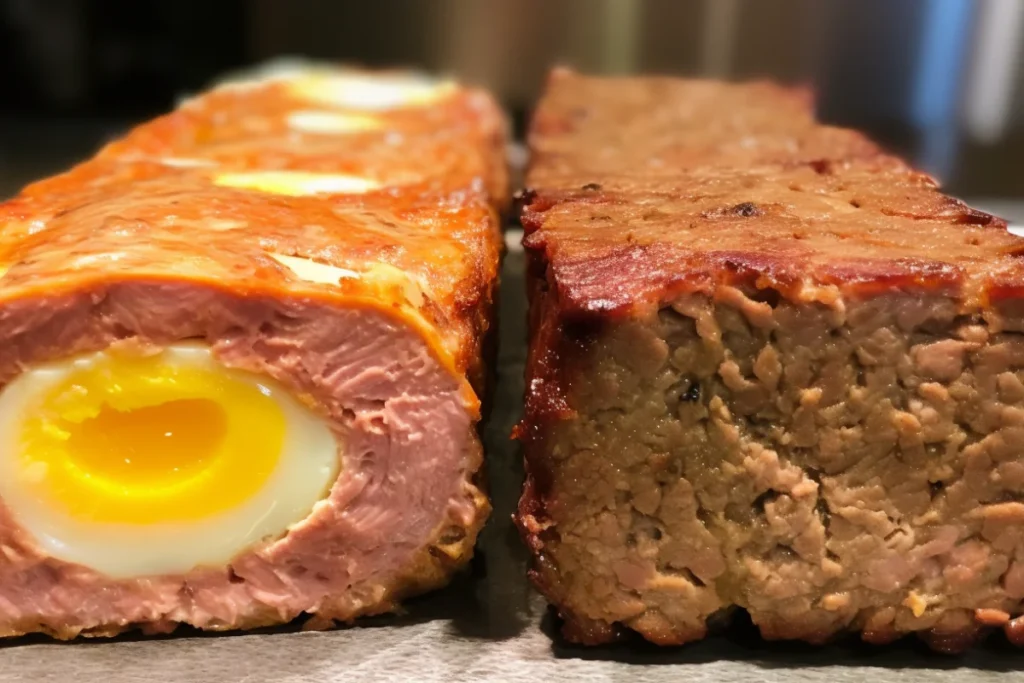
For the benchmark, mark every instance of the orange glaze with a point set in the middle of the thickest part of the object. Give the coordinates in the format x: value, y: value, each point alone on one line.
x: 424, y: 244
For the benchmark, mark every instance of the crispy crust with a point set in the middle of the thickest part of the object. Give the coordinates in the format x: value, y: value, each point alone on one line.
x: 645, y: 190
x: 650, y: 177
x: 426, y: 246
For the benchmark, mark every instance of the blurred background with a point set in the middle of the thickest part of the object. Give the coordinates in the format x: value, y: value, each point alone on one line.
x: 936, y: 80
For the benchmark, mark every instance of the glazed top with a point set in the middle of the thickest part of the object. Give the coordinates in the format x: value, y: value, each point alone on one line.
x: 643, y: 188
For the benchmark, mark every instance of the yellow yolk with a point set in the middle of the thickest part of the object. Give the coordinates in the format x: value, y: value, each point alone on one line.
x: 151, y: 446
x: 138, y: 441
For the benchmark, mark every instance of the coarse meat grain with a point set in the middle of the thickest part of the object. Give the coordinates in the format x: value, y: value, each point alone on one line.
x: 771, y: 368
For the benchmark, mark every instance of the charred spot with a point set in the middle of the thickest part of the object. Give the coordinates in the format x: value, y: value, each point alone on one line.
x: 822, y: 166
x: 592, y: 187
x: 233, y: 577
x: 855, y: 203
x: 685, y: 390
x: 971, y: 216
x: 746, y: 210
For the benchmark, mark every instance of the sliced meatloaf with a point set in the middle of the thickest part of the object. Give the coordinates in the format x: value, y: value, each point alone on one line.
x: 771, y: 367
x: 292, y: 274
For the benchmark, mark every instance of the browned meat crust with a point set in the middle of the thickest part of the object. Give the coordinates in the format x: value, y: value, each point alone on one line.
x: 770, y: 367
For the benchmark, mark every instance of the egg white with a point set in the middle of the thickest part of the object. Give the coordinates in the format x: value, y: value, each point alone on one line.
x: 296, y: 183
x: 369, y: 92
x: 307, y: 468
x: 330, y: 122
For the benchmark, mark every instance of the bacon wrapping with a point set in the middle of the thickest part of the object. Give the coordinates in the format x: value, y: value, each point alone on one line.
x: 242, y: 358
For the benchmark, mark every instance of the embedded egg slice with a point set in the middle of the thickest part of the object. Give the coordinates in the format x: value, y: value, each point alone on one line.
x: 297, y: 183
x: 377, y: 92
x: 330, y: 122
x: 312, y: 271
x: 143, y: 465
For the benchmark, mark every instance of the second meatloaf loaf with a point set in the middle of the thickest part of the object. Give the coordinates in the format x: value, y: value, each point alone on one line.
x: 772, y: 368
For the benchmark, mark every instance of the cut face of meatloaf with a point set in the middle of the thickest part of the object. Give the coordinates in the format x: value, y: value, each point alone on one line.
x: 771, y: 368
x: 240, y: 359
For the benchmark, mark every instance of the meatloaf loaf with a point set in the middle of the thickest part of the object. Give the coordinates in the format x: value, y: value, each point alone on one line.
x: 771, y: 368
x: 241, y: 356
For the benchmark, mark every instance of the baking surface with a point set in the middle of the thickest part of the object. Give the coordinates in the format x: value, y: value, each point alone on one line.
x: 488, y: 626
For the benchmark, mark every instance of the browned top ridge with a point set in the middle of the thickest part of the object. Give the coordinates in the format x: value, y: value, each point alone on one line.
x: 643, y: 188
x: 250, y: 185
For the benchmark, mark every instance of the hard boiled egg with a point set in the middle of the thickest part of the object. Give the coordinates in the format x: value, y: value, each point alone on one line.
x: 155, y: 464
x: 369, y: 92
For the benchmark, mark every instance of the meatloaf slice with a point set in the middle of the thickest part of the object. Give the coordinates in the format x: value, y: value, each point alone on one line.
x: 241, y: 359
x: 770, y: 368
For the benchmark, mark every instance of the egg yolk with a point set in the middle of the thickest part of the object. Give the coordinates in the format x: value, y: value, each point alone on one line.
x: 136, y: 440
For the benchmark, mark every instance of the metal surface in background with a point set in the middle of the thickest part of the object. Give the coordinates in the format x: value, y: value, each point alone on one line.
x: 936, y: 80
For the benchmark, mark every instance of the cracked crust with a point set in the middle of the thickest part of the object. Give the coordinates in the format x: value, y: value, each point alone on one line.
x: 763, y: 379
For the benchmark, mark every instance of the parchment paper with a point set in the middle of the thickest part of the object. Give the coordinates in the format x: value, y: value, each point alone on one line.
x: 489, y: 625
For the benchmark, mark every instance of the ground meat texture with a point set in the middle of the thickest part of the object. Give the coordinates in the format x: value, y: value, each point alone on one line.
x: 346, y: 250
x: 770, y: 368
